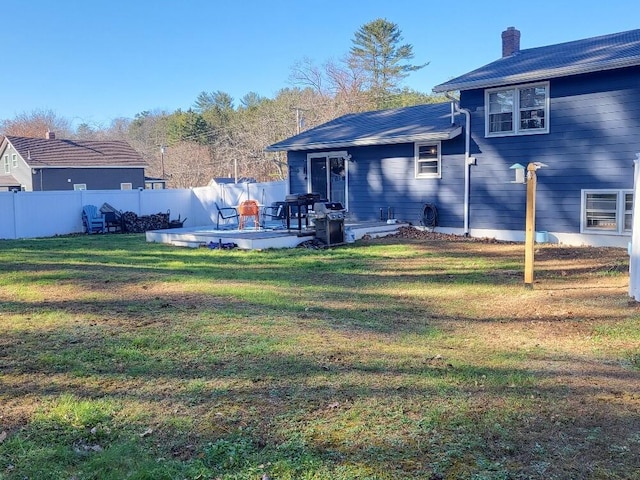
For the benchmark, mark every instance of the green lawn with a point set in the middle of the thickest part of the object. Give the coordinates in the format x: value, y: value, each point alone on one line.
x: 383, y: 359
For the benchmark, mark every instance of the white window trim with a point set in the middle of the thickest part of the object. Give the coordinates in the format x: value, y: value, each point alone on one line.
x: 7, y: 168
x: 126, y: 186
x: 516, y: 111
x: 416, y: 159
x: 79, y: 186
x: 620, y: 212
x: 14, y: 160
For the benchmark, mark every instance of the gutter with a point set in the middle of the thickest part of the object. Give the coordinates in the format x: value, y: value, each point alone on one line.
x: 367, y: 141
x: 468, y: 160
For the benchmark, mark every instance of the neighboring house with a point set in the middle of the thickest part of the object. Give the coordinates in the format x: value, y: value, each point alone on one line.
x: 154, y: 183
x: 39, y: 164
x: 573, y: 106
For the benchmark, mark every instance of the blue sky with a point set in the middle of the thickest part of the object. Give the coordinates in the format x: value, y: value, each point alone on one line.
x: 95, y: 60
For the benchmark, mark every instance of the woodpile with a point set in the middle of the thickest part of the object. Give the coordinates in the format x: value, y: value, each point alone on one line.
x: 132, y: 223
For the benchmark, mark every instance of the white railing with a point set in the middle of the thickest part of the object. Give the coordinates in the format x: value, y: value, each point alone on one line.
x: 46, y: 214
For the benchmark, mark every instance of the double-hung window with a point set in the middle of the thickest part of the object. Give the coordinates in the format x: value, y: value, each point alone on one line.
x: 427, y: 160
x: 521, y: 110
x: 7, y: 168
x: 14, y: 160
x: 607, y: 211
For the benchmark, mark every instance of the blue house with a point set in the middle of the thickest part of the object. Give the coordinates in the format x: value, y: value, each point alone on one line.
x: 574, y: 107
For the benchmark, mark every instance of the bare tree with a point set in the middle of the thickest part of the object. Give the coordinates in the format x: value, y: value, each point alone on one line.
x: 188, y: 164
x: 147, y: 133
x: 307, y: 74
x: 36, y: 124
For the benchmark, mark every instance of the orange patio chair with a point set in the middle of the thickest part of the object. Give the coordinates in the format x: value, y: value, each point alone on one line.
x: 249, y: 209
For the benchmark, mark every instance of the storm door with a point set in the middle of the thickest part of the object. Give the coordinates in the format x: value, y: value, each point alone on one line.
x: 328, y: 176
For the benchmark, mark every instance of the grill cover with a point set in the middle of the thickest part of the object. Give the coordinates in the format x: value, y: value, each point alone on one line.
x: 303, y: 197
x: 328, y: 209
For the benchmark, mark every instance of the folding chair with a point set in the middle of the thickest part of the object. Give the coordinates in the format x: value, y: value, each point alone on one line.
x: 226, y: 213
x: 277, y: 213
x: 249, y: 209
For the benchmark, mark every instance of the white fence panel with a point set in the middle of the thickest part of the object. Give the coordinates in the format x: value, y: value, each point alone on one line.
x: 264, y: 193
x: 8, y: 215
x: 176, y: 201
x: 204, y: 211
x: 45, y: 214
x: 143, y: 202
x: 232, y: 194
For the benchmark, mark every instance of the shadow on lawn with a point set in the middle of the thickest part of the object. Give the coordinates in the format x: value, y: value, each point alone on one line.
x: 347, y: 409
x: 410, y: 412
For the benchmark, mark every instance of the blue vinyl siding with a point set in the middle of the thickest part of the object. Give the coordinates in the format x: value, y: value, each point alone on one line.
x: 93, y: 178
x: 594, y: 135
x: 383, y: 178
x: 594, y: 125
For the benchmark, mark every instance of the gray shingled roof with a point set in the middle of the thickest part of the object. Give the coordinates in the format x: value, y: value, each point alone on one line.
x: 43, y: 153
x: 607, y: 52
x: 381, y: 127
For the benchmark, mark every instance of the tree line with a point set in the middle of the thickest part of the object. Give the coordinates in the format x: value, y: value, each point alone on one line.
x: 219, y: 137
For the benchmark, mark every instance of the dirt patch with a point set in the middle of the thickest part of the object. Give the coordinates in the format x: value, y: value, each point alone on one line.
x: 550, y: 258
x: 578, y: 328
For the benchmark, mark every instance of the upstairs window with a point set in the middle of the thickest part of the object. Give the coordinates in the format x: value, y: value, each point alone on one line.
x: 7, y: 168
x: 14, y: 160
x: 522, y: 110
x: 427, y: 160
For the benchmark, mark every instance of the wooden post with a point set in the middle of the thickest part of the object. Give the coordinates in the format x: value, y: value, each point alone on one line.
x: 530, y: 229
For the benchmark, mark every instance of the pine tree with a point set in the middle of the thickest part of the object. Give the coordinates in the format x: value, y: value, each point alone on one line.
x: 377, y: 50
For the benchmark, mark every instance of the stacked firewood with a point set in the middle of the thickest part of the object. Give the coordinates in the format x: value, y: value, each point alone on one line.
x: 139, y: 224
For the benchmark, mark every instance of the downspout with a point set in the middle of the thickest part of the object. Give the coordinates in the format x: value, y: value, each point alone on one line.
x: 468, y: 160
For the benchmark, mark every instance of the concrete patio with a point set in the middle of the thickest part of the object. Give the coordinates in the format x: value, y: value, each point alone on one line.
x: 262, y: 238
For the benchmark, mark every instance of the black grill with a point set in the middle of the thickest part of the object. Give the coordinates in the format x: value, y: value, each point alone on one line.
x: 329, y: 221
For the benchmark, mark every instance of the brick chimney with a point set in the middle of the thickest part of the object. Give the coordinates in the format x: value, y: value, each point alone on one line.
x: 50, y: 135
x: 510, y: 42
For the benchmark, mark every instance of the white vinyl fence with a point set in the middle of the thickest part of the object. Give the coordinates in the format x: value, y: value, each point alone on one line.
x: 46, y: 214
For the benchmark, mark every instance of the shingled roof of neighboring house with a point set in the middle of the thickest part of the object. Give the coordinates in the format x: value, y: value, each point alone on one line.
x: 8, y: 181
x: 595, y: 54
x: 60, y: 153
x: 382, y: 127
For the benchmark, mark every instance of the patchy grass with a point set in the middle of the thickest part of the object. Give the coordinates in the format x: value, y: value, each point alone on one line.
x: 385, y: 359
